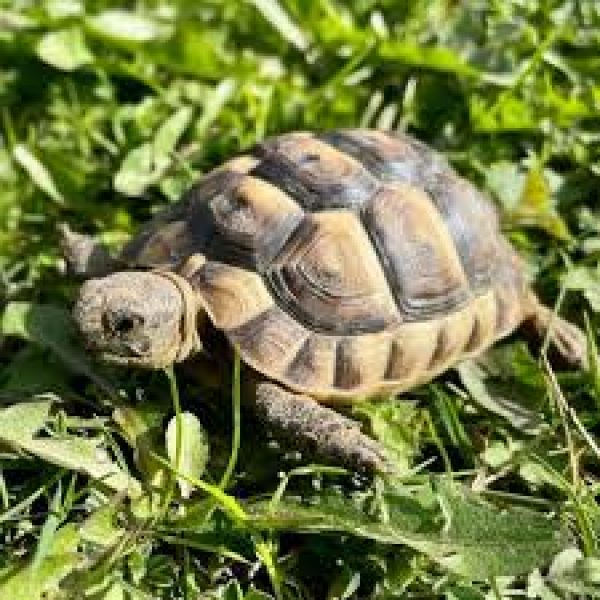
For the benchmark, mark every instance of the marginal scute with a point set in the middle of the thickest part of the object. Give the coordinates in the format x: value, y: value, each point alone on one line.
x: 420, y: 351
x: 411, y: 351
x: 269, y: 341
x: 361, y: 360
x: 314, y: 363
x: 315, y: 174
x: 330, y: 278
x: 395, y: 158
x: 444, y: 346
x: 483, y: 328
x: 231, y: 296
x: 452, y: 339
x: 240, y: 164
x: 417, y: 251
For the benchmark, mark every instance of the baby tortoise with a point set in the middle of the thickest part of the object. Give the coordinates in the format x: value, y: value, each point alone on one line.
x: 342, y: 265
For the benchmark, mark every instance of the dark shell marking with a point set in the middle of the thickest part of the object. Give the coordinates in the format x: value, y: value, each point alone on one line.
x: 344, y: 263
x: 314, y: 173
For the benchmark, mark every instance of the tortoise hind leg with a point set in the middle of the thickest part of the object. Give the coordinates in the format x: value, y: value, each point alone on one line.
x: 566, y: 339
x: 319, y: 431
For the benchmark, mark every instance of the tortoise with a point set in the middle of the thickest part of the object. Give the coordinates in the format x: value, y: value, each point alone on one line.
x: 342, y: 265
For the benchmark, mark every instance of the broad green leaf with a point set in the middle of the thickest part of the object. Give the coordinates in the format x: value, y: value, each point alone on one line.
x: 145, y: 165
x: 214, y: 104
x: 85, y: 455
x: 453, y: 527
x: 30, y: 371
x: 13, y: 20
x: 194, y: 449
x: 136, y: 172
x: 64, y: 49
x: 512, y: 114
x: 395, y: 425
x: 50, y: 327
x: 38, y: 172
x: 497, y: 392
x: 586, y: 280
x: 142, y: 428
x: 536, y: 206
x: 20, y: 422
x: 28, y: 583
x: 60, y: 9
x: 168, y: 135
x: 483, y: 541
x: 126, y: 26
x: 101, y: 528
x: 527, y: 197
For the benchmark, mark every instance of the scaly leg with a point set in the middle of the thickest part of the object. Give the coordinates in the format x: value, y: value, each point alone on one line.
x: 85, y: 257
x: 319, y: 431
x: 565, y: 338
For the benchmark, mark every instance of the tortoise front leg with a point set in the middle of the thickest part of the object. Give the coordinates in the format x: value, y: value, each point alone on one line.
x: 318, y: 431
x: 85, y: 256
x: 564, y: 337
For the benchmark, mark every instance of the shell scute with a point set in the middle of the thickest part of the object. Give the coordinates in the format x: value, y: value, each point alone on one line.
x: 472, y: 223
x: 330, y: 278
x: 253, y: 219
x: 314, y: 173
x: 418, y: 251
x: 390, y: 157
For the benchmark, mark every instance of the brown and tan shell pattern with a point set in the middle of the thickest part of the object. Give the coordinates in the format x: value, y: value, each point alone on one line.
x: 343, y: 264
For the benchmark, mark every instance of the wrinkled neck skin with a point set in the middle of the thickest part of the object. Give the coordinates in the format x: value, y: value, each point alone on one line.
x: 190, y: 318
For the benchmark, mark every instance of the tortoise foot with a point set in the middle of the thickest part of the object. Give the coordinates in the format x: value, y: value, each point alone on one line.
x: 319, y: 431
x: 566, y: 339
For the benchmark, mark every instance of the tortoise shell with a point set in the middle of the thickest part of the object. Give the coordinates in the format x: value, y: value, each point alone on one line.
x: 341, y: 264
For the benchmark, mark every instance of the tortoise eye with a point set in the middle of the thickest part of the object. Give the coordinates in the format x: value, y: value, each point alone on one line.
x: 309, y: 157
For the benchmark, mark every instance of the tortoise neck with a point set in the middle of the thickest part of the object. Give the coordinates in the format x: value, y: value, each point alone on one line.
x: 190, y: 341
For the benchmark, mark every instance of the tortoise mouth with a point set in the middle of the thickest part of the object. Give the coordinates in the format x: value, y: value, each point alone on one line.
x: 131, y: 359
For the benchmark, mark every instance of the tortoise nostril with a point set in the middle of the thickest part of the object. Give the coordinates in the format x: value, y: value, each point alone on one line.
x: 121, y: 322
x: 124, y: 325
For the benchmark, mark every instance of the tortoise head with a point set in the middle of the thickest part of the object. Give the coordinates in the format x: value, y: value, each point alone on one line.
x: 142, y: 318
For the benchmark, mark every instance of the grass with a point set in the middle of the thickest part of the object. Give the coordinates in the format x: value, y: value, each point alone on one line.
x: 110, y: 487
